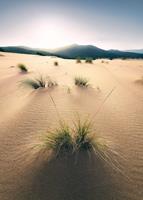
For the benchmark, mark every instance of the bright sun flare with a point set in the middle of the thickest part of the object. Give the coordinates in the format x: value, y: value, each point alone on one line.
x: 52, y: 36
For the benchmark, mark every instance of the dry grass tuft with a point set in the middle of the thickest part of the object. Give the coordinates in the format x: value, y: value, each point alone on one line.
x: 40, y: 82
x: 89, y: 60
x: 56, y: 63
x: 66, y: 140
x: 81, y: 81
x: 22, y: 68
x: 78, y: 60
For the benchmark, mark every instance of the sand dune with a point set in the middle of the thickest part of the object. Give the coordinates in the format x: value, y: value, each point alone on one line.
x: 26, y: 113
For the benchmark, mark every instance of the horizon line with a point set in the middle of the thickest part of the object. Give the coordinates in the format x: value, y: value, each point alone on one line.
x: 68, y: 45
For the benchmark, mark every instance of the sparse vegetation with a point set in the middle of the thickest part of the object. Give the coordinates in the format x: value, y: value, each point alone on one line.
x: 89, y: 60
x: 78, y: 60
x: 41, y: 53
x: 40, y: 82
x: 82, y: 139
x: 56, y: 63
x: 22, y: 68
x: 81, y: 81
x: 85, y: 138
x: 124, y: 58
x: 104, y: 61
x: 58, y: 141
x: 66, y: 140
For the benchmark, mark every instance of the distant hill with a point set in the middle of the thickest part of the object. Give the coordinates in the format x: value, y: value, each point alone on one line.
x: 84, y: 51
x: 25, y: 50
x: 136, y: 51
x: 73, y: 52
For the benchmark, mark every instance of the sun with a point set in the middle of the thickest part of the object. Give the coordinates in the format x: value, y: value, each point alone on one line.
x: 51, y: 36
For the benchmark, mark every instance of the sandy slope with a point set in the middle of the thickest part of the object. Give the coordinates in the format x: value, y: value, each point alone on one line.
x: 26, y: 113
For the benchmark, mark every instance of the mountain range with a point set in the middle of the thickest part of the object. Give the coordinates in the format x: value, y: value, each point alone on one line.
x: 136, y: 51
x: 75, y: 51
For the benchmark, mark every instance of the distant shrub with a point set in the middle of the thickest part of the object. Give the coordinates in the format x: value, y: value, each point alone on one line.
x: 78, y: 60
x: 104, y: 61
x: 81, y: 81
x: 56, y: 63
x: 22, y: 68
x: 89, y: 60
x: 41, y: 54
x: 124, y: 58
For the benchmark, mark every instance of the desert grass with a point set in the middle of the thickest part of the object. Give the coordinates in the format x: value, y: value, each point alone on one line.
x: 81, y: 81
x: 86, y: 140
x: 71, y: 140
x: 58, y: 141
x: 89, y: 60
x: 75, y: 140
x: 78, y: 60
x: 82, y: 139
x: 22, y: 68
x: 39, y: 82
x: 56, y: 63
x: 124, y: 58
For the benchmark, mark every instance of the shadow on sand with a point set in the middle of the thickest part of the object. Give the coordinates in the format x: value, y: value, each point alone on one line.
x: 76, y: 177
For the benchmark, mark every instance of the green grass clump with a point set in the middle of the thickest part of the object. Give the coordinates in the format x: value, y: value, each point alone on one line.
x: 89, y: 60
x: 22, y: 68
x: 85, y: 139
x: 59, y: 141
x: 81, y: 81
x: 40, y: 82
x: 82, y: 139
x: 67, y: 140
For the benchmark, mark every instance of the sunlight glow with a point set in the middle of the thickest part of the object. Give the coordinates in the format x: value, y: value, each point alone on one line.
x: 51, y: 36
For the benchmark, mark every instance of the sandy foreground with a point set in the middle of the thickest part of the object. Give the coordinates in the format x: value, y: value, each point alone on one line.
x: 26, y: 113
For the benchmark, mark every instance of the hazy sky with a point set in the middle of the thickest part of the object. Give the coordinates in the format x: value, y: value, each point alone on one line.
x: 107, y: 24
